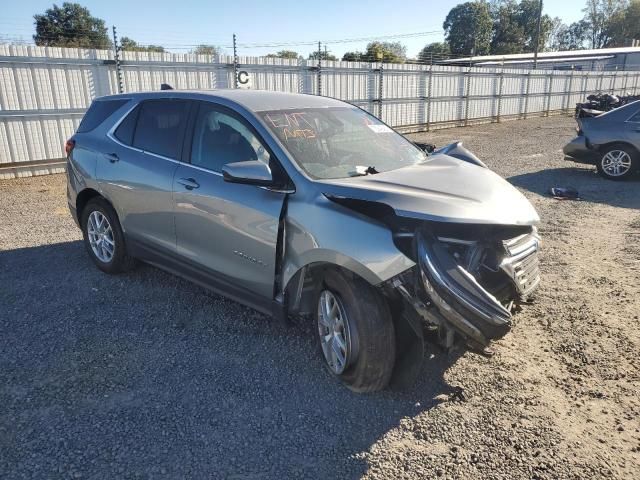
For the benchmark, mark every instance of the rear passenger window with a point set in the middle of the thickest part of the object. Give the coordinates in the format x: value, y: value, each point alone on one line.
x: 125, y: 130
x: 98, y: 112
x: 160, y: 127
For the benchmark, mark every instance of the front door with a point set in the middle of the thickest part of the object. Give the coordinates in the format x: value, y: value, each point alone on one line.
x: 225, y: 228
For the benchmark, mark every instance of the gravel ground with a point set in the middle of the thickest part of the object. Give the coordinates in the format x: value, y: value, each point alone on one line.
x: 144, y: 375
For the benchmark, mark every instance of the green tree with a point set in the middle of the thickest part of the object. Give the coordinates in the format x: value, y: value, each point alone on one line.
x: 206, y: 50
x: 353, y: 57
x: 387, y: 52
x: 625, y: 27
x: 508, y: 32
x: 70, y: 25
x: 515, y: 26
x: 434, y: 51
x: 570, y: 37
x: 130, y: 45
x: 527, y: 18
x: 323, y: 56
x: 284, y: 54
x: 603, y: 17
x: 468, y: 28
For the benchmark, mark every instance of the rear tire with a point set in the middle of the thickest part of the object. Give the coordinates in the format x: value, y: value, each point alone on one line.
x: 364, y: 336
x: 617, y: 162
x: 103, y: 237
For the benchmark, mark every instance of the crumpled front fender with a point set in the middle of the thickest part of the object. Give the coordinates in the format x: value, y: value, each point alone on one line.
x: 323, y: 231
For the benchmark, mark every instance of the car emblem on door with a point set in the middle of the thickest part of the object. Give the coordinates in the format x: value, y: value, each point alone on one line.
x: 250, y: 258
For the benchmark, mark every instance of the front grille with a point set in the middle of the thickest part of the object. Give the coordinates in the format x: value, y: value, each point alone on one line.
x: 522, y: 263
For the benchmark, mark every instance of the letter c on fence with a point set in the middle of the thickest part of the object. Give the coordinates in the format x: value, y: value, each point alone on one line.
x: 243, y: 77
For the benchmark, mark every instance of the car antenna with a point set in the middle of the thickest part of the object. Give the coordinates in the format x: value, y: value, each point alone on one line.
x: 165, y: 86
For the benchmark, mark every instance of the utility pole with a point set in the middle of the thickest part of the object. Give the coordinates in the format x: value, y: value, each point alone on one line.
x: 537, y: 46
x: 116, y: 55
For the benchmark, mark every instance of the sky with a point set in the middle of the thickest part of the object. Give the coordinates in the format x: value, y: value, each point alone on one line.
x: 179, y: 26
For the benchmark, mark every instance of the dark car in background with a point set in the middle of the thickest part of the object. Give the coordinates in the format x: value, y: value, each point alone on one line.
x: 610, y: 141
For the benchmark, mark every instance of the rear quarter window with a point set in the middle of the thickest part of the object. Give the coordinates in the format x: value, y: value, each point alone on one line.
x: 127, y: 127
x: 98, y: 112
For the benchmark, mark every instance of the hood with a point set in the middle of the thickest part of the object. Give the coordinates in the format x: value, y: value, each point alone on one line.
x: 442, y: 189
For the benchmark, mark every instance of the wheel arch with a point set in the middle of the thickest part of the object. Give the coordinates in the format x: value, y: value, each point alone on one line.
x: 302, y: 282
x: 84, y: 197
x: 601, y: 148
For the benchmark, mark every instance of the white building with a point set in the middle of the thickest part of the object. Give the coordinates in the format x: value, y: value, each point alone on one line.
x: 624, y: 58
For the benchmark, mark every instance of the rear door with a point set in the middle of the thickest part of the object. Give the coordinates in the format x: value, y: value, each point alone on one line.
x: 137, y: 173
x: 226, y: 229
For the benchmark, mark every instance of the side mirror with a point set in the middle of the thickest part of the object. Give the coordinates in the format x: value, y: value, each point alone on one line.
x: 251, y: 172
x: 456, y: 150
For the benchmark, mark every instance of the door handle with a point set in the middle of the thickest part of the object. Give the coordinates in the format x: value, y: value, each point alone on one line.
x: 188, y: 183
x: 112, y: 157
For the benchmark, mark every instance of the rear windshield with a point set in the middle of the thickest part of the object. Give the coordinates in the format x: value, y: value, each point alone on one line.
x: 98, y: 112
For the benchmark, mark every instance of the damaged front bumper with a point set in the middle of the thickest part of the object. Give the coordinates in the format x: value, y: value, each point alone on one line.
x: 468, y: 288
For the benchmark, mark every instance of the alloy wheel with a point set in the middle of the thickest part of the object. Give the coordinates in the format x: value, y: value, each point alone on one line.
x: 100, y: 236
x: 333, y: 328
x: 616, y: 163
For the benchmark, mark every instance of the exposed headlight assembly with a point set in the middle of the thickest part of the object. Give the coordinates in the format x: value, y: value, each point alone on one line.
x: 458, y: 296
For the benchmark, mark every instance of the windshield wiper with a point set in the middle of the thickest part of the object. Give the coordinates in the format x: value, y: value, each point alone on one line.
x: 361, y: 171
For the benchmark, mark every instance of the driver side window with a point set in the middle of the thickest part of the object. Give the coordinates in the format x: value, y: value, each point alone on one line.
x: 220, y: 138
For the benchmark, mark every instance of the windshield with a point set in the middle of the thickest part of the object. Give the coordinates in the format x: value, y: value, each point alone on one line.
x: 340, y: 142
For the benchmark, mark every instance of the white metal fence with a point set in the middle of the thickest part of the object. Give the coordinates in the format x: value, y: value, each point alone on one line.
x: 44, y: 91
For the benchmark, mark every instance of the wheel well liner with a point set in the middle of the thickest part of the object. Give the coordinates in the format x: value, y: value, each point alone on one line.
x: 302, y: 286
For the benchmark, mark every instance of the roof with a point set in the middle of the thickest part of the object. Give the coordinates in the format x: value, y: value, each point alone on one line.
x: 563, y: 55
x: 254, y: 100
x: 548, y: 60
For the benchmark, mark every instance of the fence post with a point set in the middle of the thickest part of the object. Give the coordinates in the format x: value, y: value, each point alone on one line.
x: 500, y: 87
x: 635, y: 84
x: 612, y: 82
x: 601, y: 80
x: 526, y: 94
x: 235, y: 62
x: 116, y: 56
x: 319, y: 69
x: 548, y: 109
x: 626, y: 80
x: 429, y: 85
x: 569, y: 92
x: 466, y: 96
x: 380, y: 91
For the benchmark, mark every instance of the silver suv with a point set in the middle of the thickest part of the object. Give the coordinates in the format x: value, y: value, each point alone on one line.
x: 305, y: 205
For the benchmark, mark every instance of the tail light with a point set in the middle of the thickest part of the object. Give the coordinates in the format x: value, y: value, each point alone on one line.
x: 68, y: 146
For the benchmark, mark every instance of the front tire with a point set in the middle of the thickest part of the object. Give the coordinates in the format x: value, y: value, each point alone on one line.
x: 355, y: 332
x: 103, y: 237
x: 617, y: 162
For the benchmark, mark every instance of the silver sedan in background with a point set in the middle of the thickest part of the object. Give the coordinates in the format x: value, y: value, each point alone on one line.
x: 610, y: 141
